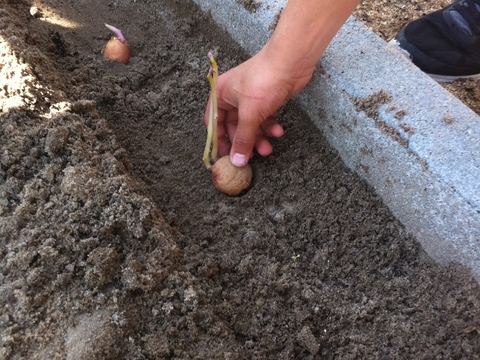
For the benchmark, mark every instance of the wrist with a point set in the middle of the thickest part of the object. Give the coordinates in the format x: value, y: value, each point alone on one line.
x: 288, y: 66
x: 303, y: 32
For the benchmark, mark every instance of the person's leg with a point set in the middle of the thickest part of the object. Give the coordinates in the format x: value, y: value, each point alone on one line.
x: 446, y: 43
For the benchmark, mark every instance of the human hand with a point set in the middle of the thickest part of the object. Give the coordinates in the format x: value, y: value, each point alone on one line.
x: 248, y: 97
x: 250, y: 94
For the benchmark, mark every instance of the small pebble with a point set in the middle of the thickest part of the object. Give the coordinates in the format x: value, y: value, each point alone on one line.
x: 35, y: 12
x: 307, y: 339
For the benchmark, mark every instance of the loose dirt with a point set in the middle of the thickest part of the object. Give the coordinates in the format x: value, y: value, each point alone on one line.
x: 114, y: 244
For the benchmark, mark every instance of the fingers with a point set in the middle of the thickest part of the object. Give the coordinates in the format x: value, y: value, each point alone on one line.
x: 247, y: 107
x: 245, y: 134
x: 223, y: 133
x: 263, y: 146
x: 242, y: 145
x: 271, y: 127
x: 268, y: 128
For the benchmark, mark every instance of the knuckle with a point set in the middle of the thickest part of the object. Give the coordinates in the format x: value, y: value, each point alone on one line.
x: 242, y: 142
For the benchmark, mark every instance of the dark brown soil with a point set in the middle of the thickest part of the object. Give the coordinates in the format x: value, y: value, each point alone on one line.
x: 114, y: 244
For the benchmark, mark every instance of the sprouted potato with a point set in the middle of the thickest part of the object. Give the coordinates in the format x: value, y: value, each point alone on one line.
x: 226, y: 177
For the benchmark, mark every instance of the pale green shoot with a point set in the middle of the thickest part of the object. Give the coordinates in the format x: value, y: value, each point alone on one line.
x: 210, y: 154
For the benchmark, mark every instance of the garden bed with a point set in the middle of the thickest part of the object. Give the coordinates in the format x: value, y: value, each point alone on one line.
x: 114, y: 243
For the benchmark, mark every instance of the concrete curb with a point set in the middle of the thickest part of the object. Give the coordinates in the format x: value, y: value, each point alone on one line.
x: 412, y: 141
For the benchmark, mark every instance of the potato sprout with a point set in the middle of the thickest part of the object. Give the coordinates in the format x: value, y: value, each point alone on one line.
x: 117, y: 48
x: 210, y: 154
x: 226, y: 177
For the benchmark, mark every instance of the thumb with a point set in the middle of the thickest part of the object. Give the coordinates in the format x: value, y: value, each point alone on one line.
x: 244, y: 138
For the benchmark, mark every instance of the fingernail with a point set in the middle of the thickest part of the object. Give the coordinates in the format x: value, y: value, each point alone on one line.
x: 239, y: 160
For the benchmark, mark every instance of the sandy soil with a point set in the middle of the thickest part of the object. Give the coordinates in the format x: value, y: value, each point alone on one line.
x: 115, y: 245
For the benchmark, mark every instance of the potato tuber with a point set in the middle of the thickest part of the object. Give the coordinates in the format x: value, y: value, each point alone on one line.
x: 230, y: 179
x: 117, y: 48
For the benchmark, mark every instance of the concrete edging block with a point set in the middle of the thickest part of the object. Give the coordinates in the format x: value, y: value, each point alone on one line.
x: 412, y: 141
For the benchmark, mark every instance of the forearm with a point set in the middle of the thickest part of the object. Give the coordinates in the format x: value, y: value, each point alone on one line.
x: 304, y: 31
